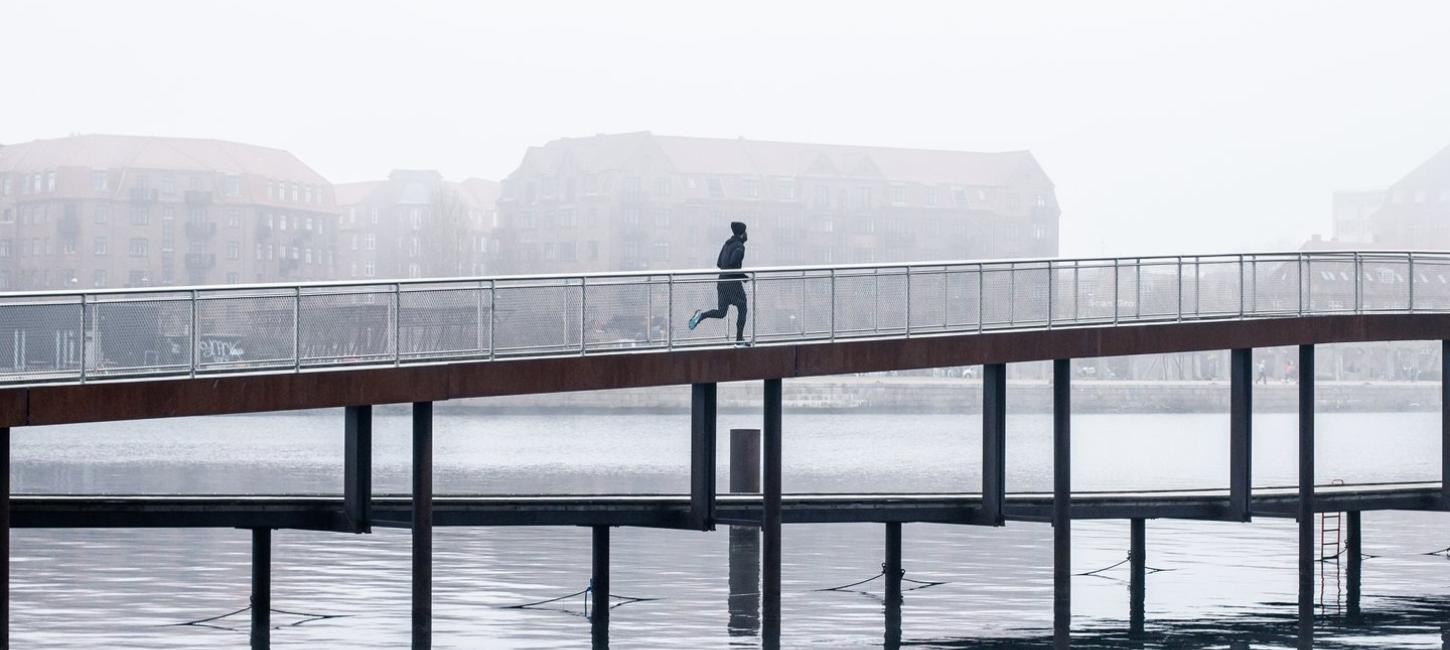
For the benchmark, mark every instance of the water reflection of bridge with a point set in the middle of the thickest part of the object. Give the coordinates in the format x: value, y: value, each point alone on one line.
x: 352, y: 347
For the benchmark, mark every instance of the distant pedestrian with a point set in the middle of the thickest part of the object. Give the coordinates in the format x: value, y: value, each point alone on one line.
x: 1263, y: 377
x: 1288, y: 371
x: 730, y: 290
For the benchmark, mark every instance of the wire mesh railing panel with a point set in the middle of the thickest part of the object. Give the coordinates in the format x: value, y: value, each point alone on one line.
x: 929, y: 300
x: 1384, y: 283
x: 358, y: 325
x: 1216, y: 287
x: 780, y: 307
x: 964, y: 294
x: 1158, y: 289
x: 996, y: 296
x: 441, y: 321
x: 1094, y: 292
x: 1330, y: 285
x: 1064, y: 294
x: 251, y: 330
x: 139, y: 334
x: 617, y: 314
x: 1030, y: 294
x: 706, y: 294
x: 818, y: 316
x: 1432, y: 283
x: 537, y: 317
x: 857, y: 304
x: 40, y: 338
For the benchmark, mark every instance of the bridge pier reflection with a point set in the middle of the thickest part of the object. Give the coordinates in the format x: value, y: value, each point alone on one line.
x: 744, y: 594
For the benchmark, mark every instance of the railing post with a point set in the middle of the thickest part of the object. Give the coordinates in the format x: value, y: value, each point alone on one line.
x: 195, y: 338
x: 1354, y: 555
x: 1137, y: 575
x: 981, y: 297
x: 478, y: 320
x: 85, y: 325
x: 1243, y: 288
x: 994, y: 442
x: 1299, y: 281
x: 599, y: 586
x: 296, y: 329
x: 755, y: 299
x: 1138, y: 289
x: 1241, y: 418
x: 1012, y: 295
x: 1306, y: 496
x: 583, y: 313
x: 1116, y: 270
x: 891, y: 566
x: 1358, y: 284
x: 397, y: 323
x: 492, y: 319
x: 1180, y: 289
x: 833, y: 305
x: 1445, y: 423
x: 908, y: 302
x: 670, y: 312
x: 1051, y: 294
x: 1412, y: 281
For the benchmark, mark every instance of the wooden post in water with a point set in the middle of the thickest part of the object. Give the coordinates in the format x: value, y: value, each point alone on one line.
x: 261, y: 588
x: 1137, y: 576
x: 1241, y: 437
x: 744, y: 596
x: 770, y: 524
x: 599, y: 587
x: 1061, y: 504
x: 1306, y: 496
x: 422, y: 525
x: 994, y: 442
x: 1445, y: 422
x: 891, y: 568
x: 357, y: 472
x: 702, y: 456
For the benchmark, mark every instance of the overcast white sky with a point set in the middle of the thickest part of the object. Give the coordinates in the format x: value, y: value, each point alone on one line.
x: 1167, y: 126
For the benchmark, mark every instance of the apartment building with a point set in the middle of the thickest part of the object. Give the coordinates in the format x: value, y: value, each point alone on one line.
x: 108, y: 211
x: 415, y: 225
x: 642, y: 201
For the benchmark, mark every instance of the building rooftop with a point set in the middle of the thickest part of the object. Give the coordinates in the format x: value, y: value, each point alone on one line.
x: 739, y: 156
x: 147, y: 152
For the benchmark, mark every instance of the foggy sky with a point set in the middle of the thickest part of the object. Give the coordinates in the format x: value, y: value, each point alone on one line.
x: 1167, y: 127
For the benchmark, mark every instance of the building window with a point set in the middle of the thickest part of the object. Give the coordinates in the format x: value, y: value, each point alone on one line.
x: 823, y: 196
x: 370, y: 242
x: 168, y: 184
x: 259, y: 250
x: 50, y: 181
x: 663, y: 186
x: 864, y: 196
x: 68, y: 246
x: 98, y: 279
x: 661, y: 251
x: 5, y: 185
x: 234, y: 217
x: 786, y: 190
x: 716, y: 189
x: 234, y: 250
x: 295, y: 189
x: 981, y: 194
x: 136, y: 279
x: 103, y: 214
x: 140, y: 215
x: 100, y: 245
x: 1041, y: 200
x: 307, y: 194
x: 99, y: 180
x: 138, y: 247
x: 631, y: 216
x: 234, y: 277
x: 4, y: 248
x: 368, y: 269
x: 232, y: 185
x: 7, y: 216
x: 752, y: 188
x: 898, y: 194
x: 307, y: 255
x: 271, y: 191
x: 930, y: 197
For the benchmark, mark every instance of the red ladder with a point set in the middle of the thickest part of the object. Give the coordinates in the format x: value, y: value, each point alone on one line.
x: 1331, y: 548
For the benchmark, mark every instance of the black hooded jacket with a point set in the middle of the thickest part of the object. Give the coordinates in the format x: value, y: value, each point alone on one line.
x: 732, y: 256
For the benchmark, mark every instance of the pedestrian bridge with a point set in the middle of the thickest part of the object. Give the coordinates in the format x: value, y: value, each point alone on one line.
x: 96, y: 356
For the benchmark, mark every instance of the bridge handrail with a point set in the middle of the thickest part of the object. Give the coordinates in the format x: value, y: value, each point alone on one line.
x: 76, y: 336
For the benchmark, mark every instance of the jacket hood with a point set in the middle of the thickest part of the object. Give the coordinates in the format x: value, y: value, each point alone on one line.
x: 737, y: 227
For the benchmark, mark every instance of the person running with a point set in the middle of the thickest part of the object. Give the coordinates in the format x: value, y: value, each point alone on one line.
x: 730, y: 290
x: 1263, y: 377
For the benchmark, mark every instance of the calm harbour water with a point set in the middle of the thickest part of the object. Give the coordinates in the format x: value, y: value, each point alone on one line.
x: 1228, y: 585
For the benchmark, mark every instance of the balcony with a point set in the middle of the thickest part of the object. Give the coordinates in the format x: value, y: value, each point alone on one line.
x: 200, y: 261
x: 144, y: 195
x: 200, y: 229
x: 195, y: 197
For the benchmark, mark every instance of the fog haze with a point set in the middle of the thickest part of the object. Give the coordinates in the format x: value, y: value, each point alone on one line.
x: 1165, y: 126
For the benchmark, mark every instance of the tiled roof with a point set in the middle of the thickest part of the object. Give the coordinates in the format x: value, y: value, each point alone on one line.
x: 740, y: 156
x: 145, y: 152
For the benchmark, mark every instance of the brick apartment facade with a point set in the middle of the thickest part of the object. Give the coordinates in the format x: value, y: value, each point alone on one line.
x: 641, y: 201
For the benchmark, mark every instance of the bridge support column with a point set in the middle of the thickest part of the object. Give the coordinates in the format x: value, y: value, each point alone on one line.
x: 891, y: 567
x: 1241, y: 437
x: 1445, y: 422
x: 770, y: 524
x: 261, y: 588
x: 599, y: 588
x: 1354, y: 553
x: 422, y: 525
x: 702, y: 456
x: 994, y: 442
x: 1061, y: 504
x: 5, y: 539
x: 1137, y: 576
x: 744, y: 604
x: 1306, y: 496
x: 357, y: 473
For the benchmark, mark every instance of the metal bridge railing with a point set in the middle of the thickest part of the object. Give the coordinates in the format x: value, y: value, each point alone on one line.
x: 81, y: 336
